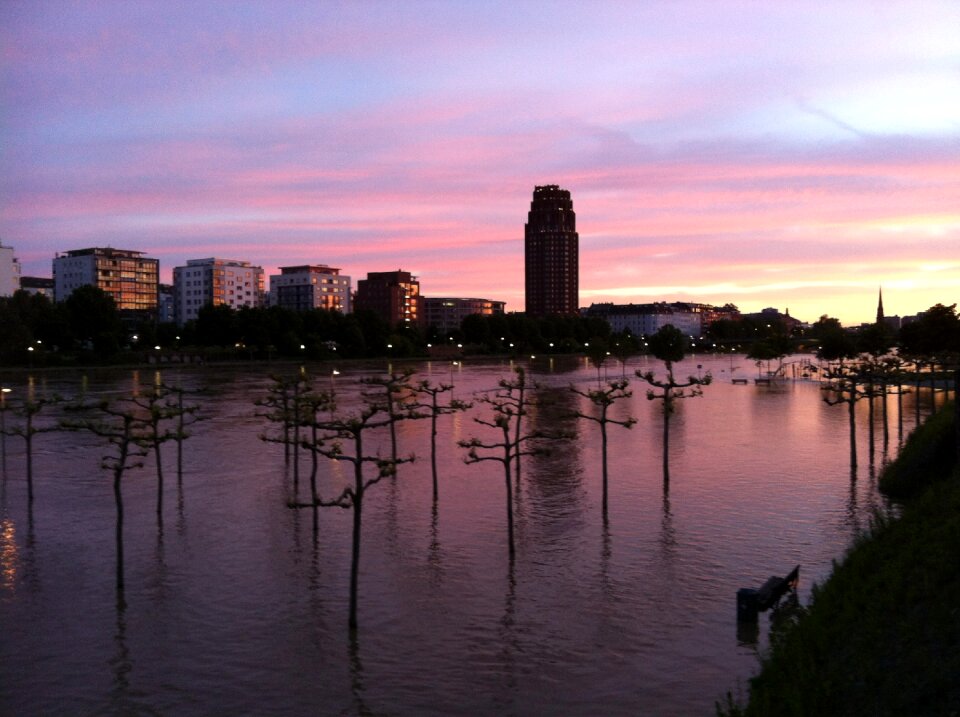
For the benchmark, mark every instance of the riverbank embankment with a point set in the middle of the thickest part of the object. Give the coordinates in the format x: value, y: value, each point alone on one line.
x: 882, y: 635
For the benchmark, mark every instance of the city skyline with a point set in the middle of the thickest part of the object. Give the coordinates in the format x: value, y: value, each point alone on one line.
x: 797, y: 156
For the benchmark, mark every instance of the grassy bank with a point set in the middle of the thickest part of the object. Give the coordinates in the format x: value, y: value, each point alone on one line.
x: 882, y: 635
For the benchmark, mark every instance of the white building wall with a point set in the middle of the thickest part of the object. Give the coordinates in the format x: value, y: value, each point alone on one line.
x: 72, y: 272
x: 9, y: 271
x: 215, y: 281
x: 641, y: 323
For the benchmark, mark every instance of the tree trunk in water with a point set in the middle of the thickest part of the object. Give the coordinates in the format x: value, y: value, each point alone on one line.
x: 296, y: 441
x: 355, y: 560
x: 509, y: 485
x: 899, y: 408
x: 666, y: 441
x: 433, y: 450
x: 603, y: 445
x: 156, y: 452
x: 851, y: 408
x: 886, y: 417
x: 916, y: 404
x: 29, y: 440
x: 118, y: 500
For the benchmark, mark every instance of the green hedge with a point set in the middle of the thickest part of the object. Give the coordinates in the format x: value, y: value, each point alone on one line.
x: 928, y: 456
x: 882, y: 635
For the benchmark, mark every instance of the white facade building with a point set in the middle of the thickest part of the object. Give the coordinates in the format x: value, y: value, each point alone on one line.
x: 127, y: 276
x: 312, y: 286
x: 9, y: 271
x: 646, y: 319
x: 217, y: 282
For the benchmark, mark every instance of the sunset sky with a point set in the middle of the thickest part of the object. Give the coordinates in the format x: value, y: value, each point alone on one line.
x: 789, y: 154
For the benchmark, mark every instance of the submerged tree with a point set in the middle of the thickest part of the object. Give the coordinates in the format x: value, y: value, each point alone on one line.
x: 508, y: 405
x: 27, y: 410
x: 670, y: 346
x: 284, y: 405
x: 842, y: 380
x: 335, y: 431
x: 156, y: 413
x: 396, y: 390
x: 435, y: 409
x: 185, y: 415
x: 603, y: 399
x: 312, y: 405
x: 772, y: 348
x: 122, y: 424
x: 278, y: 409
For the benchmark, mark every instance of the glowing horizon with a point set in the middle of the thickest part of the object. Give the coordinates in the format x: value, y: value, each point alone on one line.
x: 715, y: 154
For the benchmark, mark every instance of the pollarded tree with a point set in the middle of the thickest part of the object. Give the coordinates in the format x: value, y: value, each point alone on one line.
x: 336, y: 430
x: 670, y: 346
x: 395, y: 391
x: 284, y: 405
x: 508, y: 405
x: 597, y: 351
x: 27, y: 410
x: 434, y: 410
x: 842, y: 379
x: 312, y: 405
x: 122, y: 425
x: 773, y: 347
x: 185, y: 415
x: 157, y: 413
x: 603, y: 399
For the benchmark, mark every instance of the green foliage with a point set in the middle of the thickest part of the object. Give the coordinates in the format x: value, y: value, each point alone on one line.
x: 927, y: 457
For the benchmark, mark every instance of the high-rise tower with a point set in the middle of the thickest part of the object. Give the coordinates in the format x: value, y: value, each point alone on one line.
x: 551, y: 253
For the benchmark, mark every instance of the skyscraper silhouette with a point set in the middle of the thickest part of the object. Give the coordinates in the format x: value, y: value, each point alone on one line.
x: 551, y: 253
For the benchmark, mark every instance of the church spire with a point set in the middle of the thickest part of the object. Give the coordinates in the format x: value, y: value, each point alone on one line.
x: 880, y: 307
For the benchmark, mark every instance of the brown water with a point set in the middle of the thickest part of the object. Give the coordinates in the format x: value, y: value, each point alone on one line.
x: 238, y: 607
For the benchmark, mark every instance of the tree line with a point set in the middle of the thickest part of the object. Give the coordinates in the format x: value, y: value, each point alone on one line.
x: 87, y: 327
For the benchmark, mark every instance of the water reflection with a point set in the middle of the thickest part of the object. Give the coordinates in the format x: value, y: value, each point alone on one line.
x: 510, y: 647
x: 357, y: 686
x: 591, y: 603
x: 434, y: 551
x: 9, y: 556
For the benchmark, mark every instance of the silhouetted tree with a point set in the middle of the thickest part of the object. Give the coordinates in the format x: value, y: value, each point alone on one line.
x: 508, y: 405
x: 336, y: 430
x: 164, y: 419
x: 185, y: 415
x: 670, y: 346
x: 281, y: 407
x: 435, y: 409
x: 93, y: 318
x: 597, y: 351
x: 312, y: 404
x: 842, y: 379
x: 122, y: 425
x: 394, y: 394
x: 623, y: 348
x: 603, y: 399
x: 27, y: 410
x: 776, y: 347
